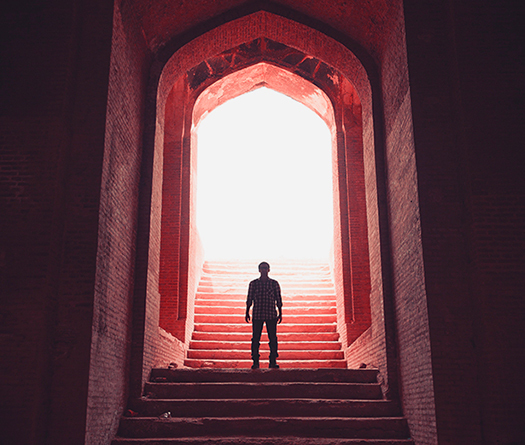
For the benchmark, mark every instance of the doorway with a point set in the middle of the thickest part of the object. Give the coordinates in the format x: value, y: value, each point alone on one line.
x: 264, y: 180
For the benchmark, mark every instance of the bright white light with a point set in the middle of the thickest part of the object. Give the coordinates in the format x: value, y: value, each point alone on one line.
x: 264, y: 187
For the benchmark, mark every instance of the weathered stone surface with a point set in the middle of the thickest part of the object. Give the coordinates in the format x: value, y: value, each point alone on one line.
x: 263, y: 407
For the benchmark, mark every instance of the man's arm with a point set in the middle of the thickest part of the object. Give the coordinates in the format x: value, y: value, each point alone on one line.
x: 248, y: 303
x: 279, y: 302
x: 247, y: 316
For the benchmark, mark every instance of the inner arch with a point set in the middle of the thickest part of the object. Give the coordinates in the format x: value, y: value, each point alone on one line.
x: 264, y: 180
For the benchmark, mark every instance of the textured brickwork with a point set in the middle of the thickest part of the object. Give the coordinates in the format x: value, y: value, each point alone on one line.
x: 408, y: 280
x: 112, y: 314
x: 168, y: 350
x: 170, y: 274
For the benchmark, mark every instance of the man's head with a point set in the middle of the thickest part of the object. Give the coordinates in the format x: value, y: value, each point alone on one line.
x: 264, y: 265
x: 264, y: 268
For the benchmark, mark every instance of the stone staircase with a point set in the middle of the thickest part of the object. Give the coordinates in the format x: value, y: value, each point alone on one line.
x: 312, y: 399
x: 307, y: 336
x: 263, y: 407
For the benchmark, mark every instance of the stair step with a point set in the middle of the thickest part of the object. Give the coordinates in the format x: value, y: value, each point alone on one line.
x: 264, y: 390
x: 246, y: 364
x: 365, y: 375
x: 202, y: 308
x: 282, y: 328
x: 343, y: 427
x: 276, y: 267
x: 304, y: 297
x: 290, y: 277
x: 239, y: 318
x: 242, y: 285
x: 242, y: 289
x: 289, y: 440
x: 321, y: 283
x: 213, y: 301
x: 267, y: 408
x: 282, y: 274
x: 246, y: 336
x: 240, y: 354
x: 283, y: 345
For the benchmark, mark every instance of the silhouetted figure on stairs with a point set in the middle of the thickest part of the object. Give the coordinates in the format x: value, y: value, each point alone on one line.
x: 265, y: 294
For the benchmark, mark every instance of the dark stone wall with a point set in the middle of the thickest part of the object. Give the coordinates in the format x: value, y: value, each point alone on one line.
x: 55, y: 59
x: 466, y: 69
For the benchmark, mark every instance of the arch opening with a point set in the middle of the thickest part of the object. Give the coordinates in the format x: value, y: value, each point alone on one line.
x: 264, y: 180
x: 203, y: 90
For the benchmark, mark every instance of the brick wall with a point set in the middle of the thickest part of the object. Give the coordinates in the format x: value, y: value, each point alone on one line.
x: 168, y: 349
x: 113, y: 299
x: 173, y: 225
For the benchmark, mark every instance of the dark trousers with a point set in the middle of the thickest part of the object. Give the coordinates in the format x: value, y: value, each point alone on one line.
x: 271, y: 329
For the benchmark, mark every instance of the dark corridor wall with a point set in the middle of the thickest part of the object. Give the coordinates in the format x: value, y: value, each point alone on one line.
x: 465, y: 65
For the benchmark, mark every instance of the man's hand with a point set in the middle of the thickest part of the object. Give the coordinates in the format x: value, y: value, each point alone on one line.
x: 247, y: 317
x: 280, y: 316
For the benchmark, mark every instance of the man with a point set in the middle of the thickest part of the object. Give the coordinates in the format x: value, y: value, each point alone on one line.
x: 265, y: 294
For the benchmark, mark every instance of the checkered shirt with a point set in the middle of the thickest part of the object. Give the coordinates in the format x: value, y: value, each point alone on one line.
x: 265, y: 296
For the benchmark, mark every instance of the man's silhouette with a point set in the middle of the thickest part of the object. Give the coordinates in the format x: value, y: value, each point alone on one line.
x: 265, y: 294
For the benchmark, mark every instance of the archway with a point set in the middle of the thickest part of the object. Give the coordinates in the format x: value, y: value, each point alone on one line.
x: 357, y: 258
x: 264, y: 180
x: 207, y: 92
x: 364, y: 49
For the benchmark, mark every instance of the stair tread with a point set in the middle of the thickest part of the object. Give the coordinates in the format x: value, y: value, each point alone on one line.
x: 263, y: 384
x: 241, y: 295
x: 364, y: 375
x: 288, y: 354
x: 245, y: 364
x: 267, y: 407
x: 296, y: 325
x: 306, y: 400
x: 298, y: 345
x: 263, y: 390
x: 297, y: 328
x: 246, y: 336
x: 282, y: 440
x: 277, y: 419
x: 385, y: 427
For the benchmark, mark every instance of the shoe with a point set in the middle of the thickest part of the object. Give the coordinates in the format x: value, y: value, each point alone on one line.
x: 273, y: 365
x: 255, y: 365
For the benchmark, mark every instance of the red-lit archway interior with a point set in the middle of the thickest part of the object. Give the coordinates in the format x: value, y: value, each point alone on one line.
x: 211, y: 83
x: 263, y: 49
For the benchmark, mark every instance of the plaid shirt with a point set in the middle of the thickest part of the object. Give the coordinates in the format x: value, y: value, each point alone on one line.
x: 265, y: 296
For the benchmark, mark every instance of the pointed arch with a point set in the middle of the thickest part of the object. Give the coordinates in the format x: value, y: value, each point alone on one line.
x: 177, y: 82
